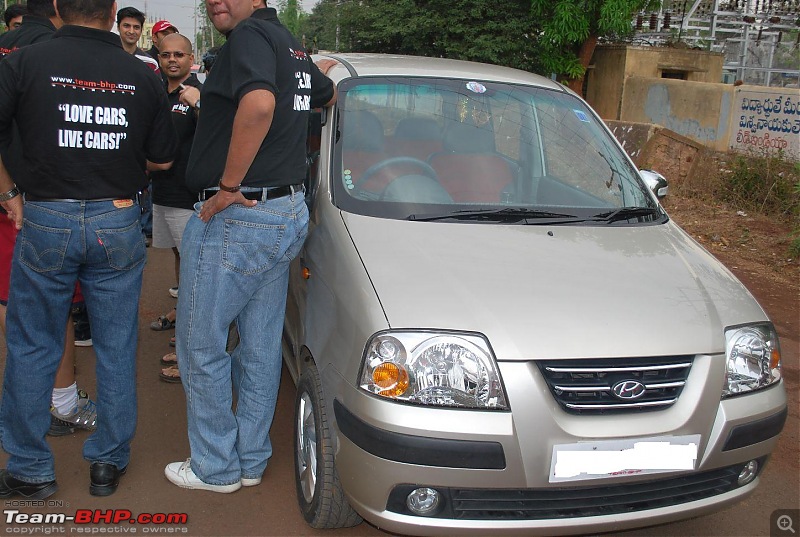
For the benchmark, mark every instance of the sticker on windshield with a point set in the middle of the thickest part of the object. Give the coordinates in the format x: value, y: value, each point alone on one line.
x: 348, y: 179
x: 581, y: 115
x: 476, y: 87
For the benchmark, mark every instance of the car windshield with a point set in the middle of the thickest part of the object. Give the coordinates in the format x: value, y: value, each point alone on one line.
x: 469, y: 150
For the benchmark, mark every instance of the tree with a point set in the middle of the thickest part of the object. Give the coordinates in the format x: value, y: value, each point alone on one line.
x: 494, y: 31
x: 571, y: 28
x: 207, y: 36
x: 319, y: 28
x: 290, y: 15
x: 545, y: 36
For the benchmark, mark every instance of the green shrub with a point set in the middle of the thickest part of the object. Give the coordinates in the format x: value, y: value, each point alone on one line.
x: 763, y: 184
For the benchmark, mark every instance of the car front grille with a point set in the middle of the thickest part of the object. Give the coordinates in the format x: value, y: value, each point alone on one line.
x: 570, y: 503
x: 559, y: 503
x: 616, y: 385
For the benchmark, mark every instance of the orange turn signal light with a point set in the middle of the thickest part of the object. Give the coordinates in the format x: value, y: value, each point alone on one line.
x: 775, y: 359
x: 392, y: 379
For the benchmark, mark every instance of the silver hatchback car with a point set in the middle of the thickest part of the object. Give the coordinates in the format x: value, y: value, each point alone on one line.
x: 495, y: 328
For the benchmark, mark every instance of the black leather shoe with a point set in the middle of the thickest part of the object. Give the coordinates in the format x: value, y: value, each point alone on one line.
x: 11, y: 486
x: 104, y: 478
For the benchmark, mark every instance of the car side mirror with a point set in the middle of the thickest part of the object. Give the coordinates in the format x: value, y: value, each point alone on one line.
x: 655, y: 182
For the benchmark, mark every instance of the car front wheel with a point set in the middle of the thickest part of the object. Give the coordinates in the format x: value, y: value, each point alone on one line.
x: 319, y: 491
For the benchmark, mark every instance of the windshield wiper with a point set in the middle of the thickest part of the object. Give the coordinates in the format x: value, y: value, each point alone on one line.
x: 625, y: 213
x: 508, y: 214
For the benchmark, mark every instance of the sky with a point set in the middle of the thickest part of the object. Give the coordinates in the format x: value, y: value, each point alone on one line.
x: 181, y: 12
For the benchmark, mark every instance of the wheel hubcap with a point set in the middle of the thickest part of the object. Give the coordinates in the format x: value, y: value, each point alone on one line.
x: 306, y: 448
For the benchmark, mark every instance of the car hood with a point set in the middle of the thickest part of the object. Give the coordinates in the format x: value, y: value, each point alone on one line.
x: 546, y: 291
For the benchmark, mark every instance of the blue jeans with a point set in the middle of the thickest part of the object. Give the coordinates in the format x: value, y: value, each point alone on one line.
x: 235, y: 268
x: 61, y: 242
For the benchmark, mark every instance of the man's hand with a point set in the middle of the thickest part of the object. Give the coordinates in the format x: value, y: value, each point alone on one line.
x: 220, y: 201
x: 325, y: 65
x: 14, y: 209
x: 189, y: 96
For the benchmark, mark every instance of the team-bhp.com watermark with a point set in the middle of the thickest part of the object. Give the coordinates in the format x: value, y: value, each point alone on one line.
x: 87, y: 521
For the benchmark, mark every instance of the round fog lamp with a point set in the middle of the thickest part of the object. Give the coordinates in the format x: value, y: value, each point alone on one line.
x: 423, y: 501
x: 748, y: 473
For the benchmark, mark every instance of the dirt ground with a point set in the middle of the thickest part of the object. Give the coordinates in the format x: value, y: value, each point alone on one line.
x: 754, y: 247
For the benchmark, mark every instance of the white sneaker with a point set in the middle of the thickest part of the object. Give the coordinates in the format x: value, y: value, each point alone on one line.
x: 181, y: 474
x: 251, y: 481
x: 173, y: 292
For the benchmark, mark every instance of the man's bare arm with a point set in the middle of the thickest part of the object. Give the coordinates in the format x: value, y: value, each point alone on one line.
x: 250, y: 126
x: 14, y: 205
x: 325, y: 65
x: 154, y: 167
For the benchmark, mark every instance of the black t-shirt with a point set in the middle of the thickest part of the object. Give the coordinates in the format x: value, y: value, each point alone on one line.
x: 89, y: 115
x: 170, y: 186
x: 260, y: 54
x: 153, y: 51
x: 33, y: 29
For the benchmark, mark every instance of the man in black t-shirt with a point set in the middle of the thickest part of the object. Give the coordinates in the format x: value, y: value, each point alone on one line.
x: 89, y: 130
x: 38, y: 24
x: 172, y: 200
x: 248, y: 162
x: 71, y: 408
x: 13, y: 16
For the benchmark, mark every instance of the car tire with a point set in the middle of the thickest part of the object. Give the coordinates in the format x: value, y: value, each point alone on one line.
x: 319, y: 491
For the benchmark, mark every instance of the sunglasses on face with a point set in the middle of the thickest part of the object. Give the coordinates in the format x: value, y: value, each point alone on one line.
x: 168, y: 55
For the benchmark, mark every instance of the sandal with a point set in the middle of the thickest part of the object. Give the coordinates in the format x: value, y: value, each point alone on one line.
x: 170, y: 374
x: 162, y: 323
x: 169, y: 359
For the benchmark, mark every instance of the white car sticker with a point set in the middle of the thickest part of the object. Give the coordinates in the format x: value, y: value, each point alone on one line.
x: 476, y: 87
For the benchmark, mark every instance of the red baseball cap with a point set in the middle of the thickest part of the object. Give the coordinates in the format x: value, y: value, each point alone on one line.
x: 160, y: 26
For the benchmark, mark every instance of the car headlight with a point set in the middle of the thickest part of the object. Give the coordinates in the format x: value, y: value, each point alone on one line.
x: 436, y: 369
x: 753, y: 358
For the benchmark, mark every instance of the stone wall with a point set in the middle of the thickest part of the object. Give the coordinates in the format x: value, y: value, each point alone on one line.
x: 655, y: 148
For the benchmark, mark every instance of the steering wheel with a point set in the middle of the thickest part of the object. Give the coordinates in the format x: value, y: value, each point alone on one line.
x: 375, y: 168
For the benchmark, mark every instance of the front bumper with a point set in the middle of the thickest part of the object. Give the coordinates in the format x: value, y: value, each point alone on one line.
x: 492, y: 468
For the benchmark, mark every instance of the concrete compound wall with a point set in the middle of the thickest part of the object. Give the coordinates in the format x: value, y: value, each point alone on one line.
x: 719, y: 116
x: 612, y: 65
x: 764, y: 119
x: 626, y: 84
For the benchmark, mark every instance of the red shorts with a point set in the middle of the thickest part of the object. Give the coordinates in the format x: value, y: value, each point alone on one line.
x: 8, y: 236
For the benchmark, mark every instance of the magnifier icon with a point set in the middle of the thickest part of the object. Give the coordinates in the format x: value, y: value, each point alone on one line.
x: 784, y: 523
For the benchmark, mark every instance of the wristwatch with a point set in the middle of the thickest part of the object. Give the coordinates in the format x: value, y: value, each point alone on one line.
x: 227, y: 188
x: 14, y: 192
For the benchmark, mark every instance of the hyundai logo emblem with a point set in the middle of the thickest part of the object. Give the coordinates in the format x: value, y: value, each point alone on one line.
x: 628, y: 389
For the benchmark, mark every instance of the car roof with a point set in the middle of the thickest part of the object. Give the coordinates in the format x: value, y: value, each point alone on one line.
x: 353, y: 65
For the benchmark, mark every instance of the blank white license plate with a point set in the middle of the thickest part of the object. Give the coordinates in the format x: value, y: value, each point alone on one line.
x: 614, y: 458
